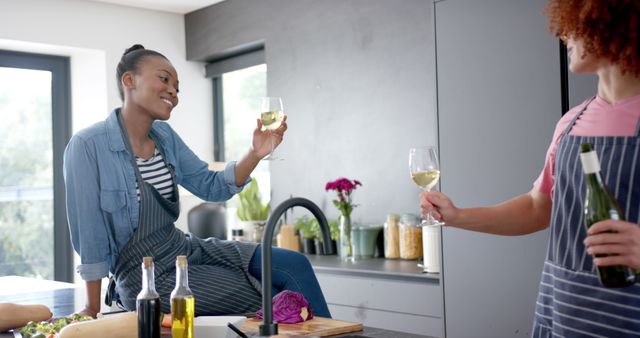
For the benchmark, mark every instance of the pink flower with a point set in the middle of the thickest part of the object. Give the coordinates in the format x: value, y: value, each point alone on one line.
x: 343, y: 187
x: 289, y: 307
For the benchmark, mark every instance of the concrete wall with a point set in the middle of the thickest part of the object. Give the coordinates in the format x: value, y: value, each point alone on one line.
x: 357, y: 82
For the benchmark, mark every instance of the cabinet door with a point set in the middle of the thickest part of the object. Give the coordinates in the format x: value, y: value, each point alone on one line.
x: 498, y: 102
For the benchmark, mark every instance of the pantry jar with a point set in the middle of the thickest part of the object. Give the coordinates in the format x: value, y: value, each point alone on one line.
x: 391, y: 237
x: 410, y: 237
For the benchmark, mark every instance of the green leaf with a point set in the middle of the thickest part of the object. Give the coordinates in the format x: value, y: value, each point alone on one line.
x: 251, y: 207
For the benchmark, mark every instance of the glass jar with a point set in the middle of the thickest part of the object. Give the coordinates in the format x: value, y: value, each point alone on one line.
x: 410, y: 237
x: 237, y: 235
x: 391, y: 237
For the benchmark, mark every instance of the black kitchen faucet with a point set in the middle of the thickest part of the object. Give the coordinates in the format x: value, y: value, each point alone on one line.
x: 268, y: 328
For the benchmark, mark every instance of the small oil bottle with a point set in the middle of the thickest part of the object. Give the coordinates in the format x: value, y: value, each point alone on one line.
x: 182, y: 302
x: 148, y: 303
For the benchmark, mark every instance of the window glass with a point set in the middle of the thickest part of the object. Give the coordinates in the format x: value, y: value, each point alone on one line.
x: 26, y: 173
x: 241, y: 93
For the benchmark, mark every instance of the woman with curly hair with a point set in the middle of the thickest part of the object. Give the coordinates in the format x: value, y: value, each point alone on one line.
x: 601, y: 38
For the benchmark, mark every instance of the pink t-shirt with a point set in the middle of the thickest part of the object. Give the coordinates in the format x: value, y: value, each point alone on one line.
x: 600, y: 119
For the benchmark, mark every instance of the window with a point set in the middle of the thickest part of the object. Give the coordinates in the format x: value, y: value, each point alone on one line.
x: 34, y: 105
x: 239, y: 83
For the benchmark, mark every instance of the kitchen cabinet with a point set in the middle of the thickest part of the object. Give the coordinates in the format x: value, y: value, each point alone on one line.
x: 498, y: 98
x: 390, y: 294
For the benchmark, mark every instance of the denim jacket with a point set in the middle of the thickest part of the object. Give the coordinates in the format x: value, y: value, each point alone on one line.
x: 100, y: 182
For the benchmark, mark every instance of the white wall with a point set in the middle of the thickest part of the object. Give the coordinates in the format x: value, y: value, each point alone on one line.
x: 94, y: 35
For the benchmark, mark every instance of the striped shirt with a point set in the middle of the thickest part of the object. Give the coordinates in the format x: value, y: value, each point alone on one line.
x: 155, y: 172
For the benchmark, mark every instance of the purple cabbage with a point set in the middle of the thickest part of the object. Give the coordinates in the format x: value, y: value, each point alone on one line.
x: 289, y: 307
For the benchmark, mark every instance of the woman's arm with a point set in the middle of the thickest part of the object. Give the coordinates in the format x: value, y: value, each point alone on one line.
x: 221, y: 185
x: 85, y: 217
x: 264, y: 141
x: 92, y: 306
x: 521, y: 215
x: 245, y: 166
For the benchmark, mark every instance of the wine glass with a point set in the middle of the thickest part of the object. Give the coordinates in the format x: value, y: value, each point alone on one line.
x: 425, y: 172
x: 271, y: 115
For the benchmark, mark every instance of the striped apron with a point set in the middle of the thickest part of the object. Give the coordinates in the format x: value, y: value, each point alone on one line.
x: 218, y: 270
x: 571, y: 301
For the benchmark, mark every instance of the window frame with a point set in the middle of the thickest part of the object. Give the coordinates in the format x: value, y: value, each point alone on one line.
x: 59, y: 66
x: 215, y: 69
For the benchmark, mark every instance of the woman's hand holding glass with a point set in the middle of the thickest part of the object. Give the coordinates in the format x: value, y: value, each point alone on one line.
x: 439, y: 206
x: 271, y: 125
x: 264, y: 141
x: 425, y: 172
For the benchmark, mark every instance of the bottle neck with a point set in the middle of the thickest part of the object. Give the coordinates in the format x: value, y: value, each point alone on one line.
x: 148, y: 282
x: 182, y: 278
x: 594, y: 178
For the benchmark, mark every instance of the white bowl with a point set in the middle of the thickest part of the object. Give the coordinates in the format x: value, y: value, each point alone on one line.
x: 216, y: 326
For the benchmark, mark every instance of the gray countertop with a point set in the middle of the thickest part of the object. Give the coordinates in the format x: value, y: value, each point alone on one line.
x: 373, y: 267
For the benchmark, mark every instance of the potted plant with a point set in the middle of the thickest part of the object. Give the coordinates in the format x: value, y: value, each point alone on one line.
x: 251, y: 212
x: 304, y: 225
x: 334, y: 231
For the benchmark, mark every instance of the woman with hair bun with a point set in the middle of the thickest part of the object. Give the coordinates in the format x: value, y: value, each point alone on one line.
x: 602, y: 38
x: 121, y: 179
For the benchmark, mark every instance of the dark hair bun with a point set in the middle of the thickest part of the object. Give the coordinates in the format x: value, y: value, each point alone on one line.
x: 133, y: 48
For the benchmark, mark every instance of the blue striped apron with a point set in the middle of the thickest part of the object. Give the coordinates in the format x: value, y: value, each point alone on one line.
x: 218, y: 270
x: 571, y: 301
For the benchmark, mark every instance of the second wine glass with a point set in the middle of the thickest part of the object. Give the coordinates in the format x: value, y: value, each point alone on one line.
x: 425, y: 172
x: 271, y: 115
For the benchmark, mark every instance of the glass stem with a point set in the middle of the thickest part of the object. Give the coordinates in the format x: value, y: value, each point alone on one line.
x: 272, y: 145
x: 430, y: 220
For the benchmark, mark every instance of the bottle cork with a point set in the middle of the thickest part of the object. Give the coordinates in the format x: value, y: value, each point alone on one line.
x: 181, y: 261
x: 147, y: 261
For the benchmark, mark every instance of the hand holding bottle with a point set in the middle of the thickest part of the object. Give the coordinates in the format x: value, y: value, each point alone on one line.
x: 600, y: 206
x: 440, y: 206
x: 619, y: 239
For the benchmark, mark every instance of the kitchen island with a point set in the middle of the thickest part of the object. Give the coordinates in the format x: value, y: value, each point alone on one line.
x: 65, y: 298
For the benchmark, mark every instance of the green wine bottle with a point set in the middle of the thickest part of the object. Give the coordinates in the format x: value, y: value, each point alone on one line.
x: 599, y: 205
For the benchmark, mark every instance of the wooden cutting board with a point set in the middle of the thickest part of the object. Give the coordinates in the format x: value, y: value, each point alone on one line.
x: 318, y: 326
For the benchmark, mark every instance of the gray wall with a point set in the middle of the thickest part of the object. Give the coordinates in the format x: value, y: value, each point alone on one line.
x: 581, y: 87
x: 357, y: 82
x: 499, y: 99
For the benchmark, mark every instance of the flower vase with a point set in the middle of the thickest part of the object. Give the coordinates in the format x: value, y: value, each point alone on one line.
x: 345, y: 237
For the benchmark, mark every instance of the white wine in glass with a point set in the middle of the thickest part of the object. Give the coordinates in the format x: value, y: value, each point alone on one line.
x: 425, y: 171
x: 426, y: 179
x: 271, y: 116
x: 271, y: 120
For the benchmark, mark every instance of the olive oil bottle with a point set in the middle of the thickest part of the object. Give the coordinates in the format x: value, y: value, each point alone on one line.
x: 148, y: 303
x: 599, y: 205
x: 182, y: 302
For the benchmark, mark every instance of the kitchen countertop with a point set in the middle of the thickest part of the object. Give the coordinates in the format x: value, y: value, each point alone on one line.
x: 395, y: 269
x: 63, y: 299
